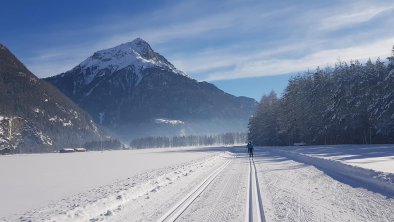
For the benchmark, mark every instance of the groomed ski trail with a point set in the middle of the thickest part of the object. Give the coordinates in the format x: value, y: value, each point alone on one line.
x: 254, y: 205
x: 224, y: 199
x: 174, y: 213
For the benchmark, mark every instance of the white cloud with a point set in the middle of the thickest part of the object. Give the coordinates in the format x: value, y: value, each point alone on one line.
x: 60, y: 59
x: 231, y: 56
x: 356, y: 16
x: 296, y: 41
x: 271, y: 66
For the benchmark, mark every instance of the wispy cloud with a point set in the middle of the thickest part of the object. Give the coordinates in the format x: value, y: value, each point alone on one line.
x: 230, y: 40
x: 268, y: 67
x: 354, y: 17
x: 59, y: 59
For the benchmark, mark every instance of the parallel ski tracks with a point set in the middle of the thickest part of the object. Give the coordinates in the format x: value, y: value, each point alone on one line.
x: 254, y: 204
x: 175, y: 212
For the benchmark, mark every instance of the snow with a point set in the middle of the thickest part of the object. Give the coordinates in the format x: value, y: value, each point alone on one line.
x: 64, y: 122
x: 2, y: 139
x: 80, y: 149
x: 44, y: 138
x: 3, y: 129
x: 120, y: 57
x: 368, y: 166
x: 294, y: 191
x: 296, y: 184
x: 75, y: 113
x: 67, y: 124
x: 169, y: 121
x: 37, y: 180
x: 383, y: 164
x: 53, y: 119
x: 68, y: 149
x: 373, y: 157
x: 225, y: 198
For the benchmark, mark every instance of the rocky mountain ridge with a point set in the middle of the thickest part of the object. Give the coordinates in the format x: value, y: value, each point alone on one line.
x: 130, y: 88
x: 34, y: 115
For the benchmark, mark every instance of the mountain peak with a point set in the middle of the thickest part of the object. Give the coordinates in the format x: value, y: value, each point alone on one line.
x: 136, y: 55
x: 138, y: 45
x: 139, y: 41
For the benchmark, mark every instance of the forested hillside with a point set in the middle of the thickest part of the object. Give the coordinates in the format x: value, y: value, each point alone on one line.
x: 35, y: 116
x: 348, y: 103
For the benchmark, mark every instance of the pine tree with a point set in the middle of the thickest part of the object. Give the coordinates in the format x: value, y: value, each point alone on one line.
x: 348, y: 103
x: 391, y: 59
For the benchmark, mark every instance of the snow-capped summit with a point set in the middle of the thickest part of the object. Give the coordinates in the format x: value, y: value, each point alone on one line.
x: 136, y: 55
x: 131, y: 88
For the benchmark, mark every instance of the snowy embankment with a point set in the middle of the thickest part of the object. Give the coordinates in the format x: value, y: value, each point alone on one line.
x: 294, y: 191
x: 84, y: 186
x: 365, y: 166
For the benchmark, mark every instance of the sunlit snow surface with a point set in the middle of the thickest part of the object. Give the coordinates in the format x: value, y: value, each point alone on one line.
x: 35, y: 180
x: 297, y: 184
x: 374, y: 157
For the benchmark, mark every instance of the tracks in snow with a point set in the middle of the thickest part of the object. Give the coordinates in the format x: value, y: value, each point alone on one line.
x: 174, y: 213
x: 254, y: 205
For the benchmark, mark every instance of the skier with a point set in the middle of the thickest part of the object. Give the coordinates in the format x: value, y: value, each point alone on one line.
x: 250, y: 148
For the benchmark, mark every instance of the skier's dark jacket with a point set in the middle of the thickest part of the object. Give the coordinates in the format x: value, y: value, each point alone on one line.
x: 250, y: 147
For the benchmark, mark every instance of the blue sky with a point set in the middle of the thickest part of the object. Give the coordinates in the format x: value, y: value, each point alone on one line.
x: 246, y: 47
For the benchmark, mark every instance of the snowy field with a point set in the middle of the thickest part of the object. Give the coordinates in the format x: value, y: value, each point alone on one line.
x: 37, y: 180
x: 200, y: 184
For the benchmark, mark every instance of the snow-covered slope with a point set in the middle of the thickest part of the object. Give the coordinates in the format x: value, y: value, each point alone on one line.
x: 293, y: 190
x: 136, y: 55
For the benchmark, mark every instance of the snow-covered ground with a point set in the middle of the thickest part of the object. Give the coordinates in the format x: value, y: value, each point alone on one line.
x: 294, y: 191
x: 35, y: 181
x: 198, y: 184
x: 370, y: 166
x: 374, y: 157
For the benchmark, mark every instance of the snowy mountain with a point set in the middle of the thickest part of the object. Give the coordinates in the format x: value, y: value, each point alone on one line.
x: 129, y: 87
x: 136, y: 56
x: 34, y: 115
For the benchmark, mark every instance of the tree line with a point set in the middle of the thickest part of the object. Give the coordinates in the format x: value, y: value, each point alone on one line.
x: 109, y: 144
x: 190, y: 140
x: 350, y: 103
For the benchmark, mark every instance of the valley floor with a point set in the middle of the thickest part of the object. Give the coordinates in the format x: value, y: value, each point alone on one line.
x: 201, y: 184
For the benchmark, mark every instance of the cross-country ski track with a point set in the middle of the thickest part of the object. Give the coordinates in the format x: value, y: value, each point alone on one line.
x: 179, y: 208
x: 254, y: 206
x: 223, y: 184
